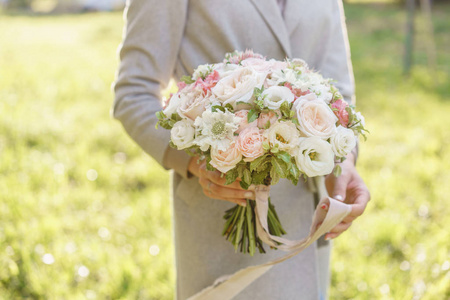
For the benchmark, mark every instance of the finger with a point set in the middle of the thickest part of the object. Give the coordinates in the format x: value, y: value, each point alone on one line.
x: 239, y: 201
x: 340, y: 187
x: 224, y: 192
x: 217, y: 178
x: 341, y: 227
x: 330, y: 236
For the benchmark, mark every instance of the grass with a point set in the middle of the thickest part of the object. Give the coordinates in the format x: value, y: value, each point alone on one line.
x: 85, y: 214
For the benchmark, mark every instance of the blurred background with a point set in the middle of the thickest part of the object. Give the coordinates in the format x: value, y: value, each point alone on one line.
x: 85, y: 214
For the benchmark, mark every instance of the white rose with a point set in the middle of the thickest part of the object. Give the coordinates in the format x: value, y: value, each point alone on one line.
x: 172, y: 106
x: 276, y: 95
x: 315, y: 117
x: 343, y: 141
x: 183, y: 134
x: 238, y: 86
x: 193, y: 102
x: 315, y: 157
x: 283, y: 134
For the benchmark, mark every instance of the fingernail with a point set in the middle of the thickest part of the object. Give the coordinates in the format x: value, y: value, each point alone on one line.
x: 338, y: 197
x: 324, y: 206
x: 244, y: 204
x: 327, y: 237
x: 249, y: 195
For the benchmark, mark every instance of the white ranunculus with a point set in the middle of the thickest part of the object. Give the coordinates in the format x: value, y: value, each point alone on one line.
x: 315, y: 157
x: 315, y: 117
x: 283, y: 134
x: 172, y: 106
x: 182, y: 134
x: 238, y: 86
x: 216, y: 129
x: 343, y: 141
x: 274, y: 96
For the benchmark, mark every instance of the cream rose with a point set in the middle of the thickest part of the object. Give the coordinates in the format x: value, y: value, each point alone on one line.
x: 274, y: 96
x: 283, y: 134
x: 315, y: 157
x: 238, y: 86
x: 243, y: 124
x: 343, y: 141
x: 250, y: 143
x: 226, y: 160
x: 315, y: 117
x: 193, y: 102
x: 182, y: 134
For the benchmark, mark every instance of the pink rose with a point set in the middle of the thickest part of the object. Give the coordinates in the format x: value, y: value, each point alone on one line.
x: 271, y: 116
x: 340, y: 111
x: 226, y: 160
x: 192, y: 102
x: 243, y: 124
x: 250, y: 143
x: 315, y: 117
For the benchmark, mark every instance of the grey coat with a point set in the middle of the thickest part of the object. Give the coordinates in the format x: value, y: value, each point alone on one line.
x: 169, y: 38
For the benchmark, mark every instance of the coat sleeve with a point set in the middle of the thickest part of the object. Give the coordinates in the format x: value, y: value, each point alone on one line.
x: 337, y: 63
x: 148, y: 53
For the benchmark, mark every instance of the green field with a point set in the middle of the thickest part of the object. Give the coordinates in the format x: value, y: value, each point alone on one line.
x: 85, y: 214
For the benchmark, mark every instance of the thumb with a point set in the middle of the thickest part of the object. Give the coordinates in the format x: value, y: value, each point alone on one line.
x: 340, y: 187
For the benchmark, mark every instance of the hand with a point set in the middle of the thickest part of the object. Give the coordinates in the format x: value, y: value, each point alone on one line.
x: 213, y: 184
x: 350, y: 188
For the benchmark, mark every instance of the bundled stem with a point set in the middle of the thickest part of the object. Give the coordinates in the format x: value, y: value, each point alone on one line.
x: 240, y: 227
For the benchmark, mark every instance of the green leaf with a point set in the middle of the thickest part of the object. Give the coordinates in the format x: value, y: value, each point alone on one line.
x: 274, y: 175
x: 160, y: 115
x: 266, y: 146
x: 295, y: 121
x: 286, y: 157
x: 278, y: 166
x: 257, y: 162
x: 260, y: 176
x: 187, y: 79
x: 231, y: 176
x: 337, y: 171
x: 285, y: 109
x: 244, y: 185
x: 217, y: 107
x: 176, y: 117
x: 229, y: 107
x: 247, y: 176
x: 295, y: 172
x: 252, y: 116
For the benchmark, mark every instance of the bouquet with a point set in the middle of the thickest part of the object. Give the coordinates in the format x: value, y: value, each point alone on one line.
x: 258, y: 120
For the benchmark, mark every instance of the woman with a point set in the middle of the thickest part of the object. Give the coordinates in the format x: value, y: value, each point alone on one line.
x: 165, y: 39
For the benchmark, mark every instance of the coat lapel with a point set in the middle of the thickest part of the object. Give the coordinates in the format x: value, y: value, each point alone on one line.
x: 293, y: 13
x: 271, y: 14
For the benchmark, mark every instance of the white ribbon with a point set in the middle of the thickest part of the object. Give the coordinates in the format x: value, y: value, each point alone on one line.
x: 228, y: 286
